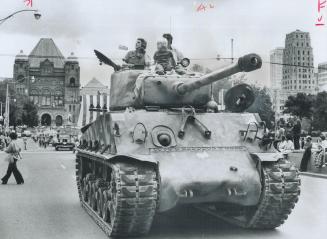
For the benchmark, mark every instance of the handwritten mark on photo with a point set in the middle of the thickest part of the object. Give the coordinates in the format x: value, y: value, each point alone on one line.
x: 203, y: 6
x: 320, y: 19
x: 29, y: 3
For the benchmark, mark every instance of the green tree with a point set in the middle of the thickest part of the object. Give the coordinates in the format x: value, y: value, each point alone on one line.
x: 320, y: 112
x: 300, y: 105
x: 263, y: 106
x: 29, y: 114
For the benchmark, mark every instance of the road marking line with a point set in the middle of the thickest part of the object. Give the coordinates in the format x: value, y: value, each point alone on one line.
x: 63, y: 166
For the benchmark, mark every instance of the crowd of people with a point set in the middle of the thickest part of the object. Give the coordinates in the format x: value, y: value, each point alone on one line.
x: 288, y: 138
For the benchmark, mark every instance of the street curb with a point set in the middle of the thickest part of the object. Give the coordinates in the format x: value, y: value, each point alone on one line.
x: 314, y: 175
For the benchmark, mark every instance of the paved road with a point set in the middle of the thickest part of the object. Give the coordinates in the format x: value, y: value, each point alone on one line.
x: 47, y: 206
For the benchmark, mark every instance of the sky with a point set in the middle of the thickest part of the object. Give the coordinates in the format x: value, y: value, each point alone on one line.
x: 79, y: 26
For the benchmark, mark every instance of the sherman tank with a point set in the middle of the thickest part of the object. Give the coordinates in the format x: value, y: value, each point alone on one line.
x: 163, y: 143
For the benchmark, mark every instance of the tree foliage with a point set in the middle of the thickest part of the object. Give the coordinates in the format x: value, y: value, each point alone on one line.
x: 262, y: 105
x: 29, y: 114
x: 320, y: 112
x: 21, y: 110
x: 300, y: 105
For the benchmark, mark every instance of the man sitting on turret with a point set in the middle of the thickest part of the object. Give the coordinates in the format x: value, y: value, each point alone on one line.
x: 163, y: 58
x: 138, y: 58
x: 178, y: 56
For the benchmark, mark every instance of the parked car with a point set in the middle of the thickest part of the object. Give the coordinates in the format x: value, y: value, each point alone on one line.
x: 26, y: 133
x: 65, y: 143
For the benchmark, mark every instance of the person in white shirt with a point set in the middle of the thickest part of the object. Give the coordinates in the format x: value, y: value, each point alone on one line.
x: 323, y: 141
x: 289, y: 143
x: 282, y: 144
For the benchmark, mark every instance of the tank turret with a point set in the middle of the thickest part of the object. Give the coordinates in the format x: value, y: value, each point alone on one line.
x: 140, y: 89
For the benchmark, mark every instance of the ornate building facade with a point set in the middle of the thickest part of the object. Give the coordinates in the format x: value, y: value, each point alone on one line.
x: 51, y: 81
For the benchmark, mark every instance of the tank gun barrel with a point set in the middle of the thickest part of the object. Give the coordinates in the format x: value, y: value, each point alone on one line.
x: 246, y: 63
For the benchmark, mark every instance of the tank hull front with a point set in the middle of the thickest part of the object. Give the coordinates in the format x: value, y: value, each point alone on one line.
x: 207, y: 176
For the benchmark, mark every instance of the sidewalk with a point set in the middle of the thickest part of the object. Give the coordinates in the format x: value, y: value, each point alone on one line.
x: 296, y: 158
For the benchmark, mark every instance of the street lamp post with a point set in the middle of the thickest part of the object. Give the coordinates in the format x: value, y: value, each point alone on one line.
x: 37, y: 15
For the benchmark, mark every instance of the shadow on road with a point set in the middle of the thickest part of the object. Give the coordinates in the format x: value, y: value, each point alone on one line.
x: 187, y: 222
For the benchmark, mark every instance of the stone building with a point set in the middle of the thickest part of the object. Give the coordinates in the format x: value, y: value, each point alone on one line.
x: 94, y: 87
x: 93, y: 93
x: 51, y: 81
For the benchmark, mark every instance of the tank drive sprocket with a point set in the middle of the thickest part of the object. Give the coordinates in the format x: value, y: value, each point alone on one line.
x: 130, y: 197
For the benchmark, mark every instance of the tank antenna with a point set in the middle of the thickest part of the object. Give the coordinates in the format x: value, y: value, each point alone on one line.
x: 170, y: 24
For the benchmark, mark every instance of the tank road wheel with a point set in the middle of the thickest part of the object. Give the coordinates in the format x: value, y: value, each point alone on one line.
x: 101, y: 185
x: 85, y: 186
x: 106, y: 197
x: 281, y: 189
x: 92, y: 198
x: 126, y: 205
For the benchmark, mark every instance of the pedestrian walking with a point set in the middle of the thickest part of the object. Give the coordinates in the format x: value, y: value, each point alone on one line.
x: 25, y: 142
x: 302, y: 143
x: 297, y: 134
x: 306, y: 155
x: 13, y: 155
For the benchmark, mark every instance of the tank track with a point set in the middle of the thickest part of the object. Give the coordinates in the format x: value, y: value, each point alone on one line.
x: 134, y: 196
x: 281, y: 189
x: 280, y: 192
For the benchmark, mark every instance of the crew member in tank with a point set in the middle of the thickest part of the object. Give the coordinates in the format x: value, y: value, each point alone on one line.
x: 178, y: 56
x: 138, y: 57
x: 163, y: 58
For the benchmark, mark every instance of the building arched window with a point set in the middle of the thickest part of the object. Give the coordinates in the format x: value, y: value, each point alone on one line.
x: 34, y: 96
x: 58, y: 98
x: 72, y: 81
x: 46, y: 97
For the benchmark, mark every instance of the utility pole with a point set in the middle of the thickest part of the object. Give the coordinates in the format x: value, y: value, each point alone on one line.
x: 232, y: 41
x: 6, y: 121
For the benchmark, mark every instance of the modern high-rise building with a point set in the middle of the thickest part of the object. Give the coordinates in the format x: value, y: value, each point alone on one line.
x: 276, y: 68
x: 298, y: 71
x: 322, y: 76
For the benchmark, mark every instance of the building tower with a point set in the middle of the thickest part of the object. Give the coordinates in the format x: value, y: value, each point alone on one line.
x: 276, y: 68
x: 21, y: 73
x: 298, y: 72
x: 322, y: 76
x: 72, y: 88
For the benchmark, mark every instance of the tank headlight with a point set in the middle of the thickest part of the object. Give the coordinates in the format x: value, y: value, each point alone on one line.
x: 185, y: 62
x: 164, y: 139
